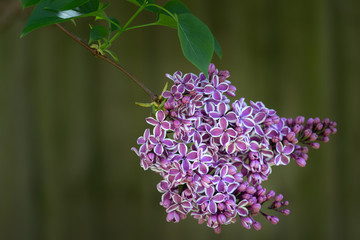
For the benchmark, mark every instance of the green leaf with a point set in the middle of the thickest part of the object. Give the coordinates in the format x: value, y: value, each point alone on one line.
x: 97, y: 33
x: 218, y: 50
x: 45, y: 13
x: 28, y: 3
x: 178, y: 8
x: 65, y: 4
x: 197, y: 41
x: 144, y: 104
x: 113, y: 55
x: 166, y: 20
x: 114, y: 24
x: 175, y: 7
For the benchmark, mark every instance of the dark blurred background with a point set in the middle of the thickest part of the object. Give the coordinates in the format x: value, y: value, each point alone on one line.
x: 68, y: 120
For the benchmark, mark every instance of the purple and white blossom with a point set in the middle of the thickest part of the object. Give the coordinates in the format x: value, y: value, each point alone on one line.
x: 213, y: 155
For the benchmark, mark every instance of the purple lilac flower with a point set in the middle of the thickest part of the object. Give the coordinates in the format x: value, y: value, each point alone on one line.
x: 213, y: 155
x: 210, y: 200
x: 223, y: 132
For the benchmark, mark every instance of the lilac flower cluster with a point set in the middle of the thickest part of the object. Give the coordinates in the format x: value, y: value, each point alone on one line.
x: 213, y: 156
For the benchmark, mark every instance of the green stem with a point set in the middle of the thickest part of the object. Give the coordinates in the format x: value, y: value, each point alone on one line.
x: 134, y: 16
x: 162, y: 8
x: 144, y: 25
x: 123, y: 29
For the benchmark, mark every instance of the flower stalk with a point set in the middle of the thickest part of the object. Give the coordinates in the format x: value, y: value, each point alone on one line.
x: 96, y: 53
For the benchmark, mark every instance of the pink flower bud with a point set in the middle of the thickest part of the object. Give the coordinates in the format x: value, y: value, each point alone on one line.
x: 257, y: 226
x: 301, y: 162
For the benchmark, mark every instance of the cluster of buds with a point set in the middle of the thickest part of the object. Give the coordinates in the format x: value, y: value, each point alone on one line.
x: 213, y: 155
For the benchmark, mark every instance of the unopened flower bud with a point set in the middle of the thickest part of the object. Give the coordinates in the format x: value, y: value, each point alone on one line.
x: 310, y: 122
x: 270, y: 194
x: 299, y: 120
x: 167, y: 105
x: 251, y: 190
x: 279, y: 197
x: 319, y: 126
x: 257, y: 226
x: 285, y: 211
x: 301, y: 162
x: 232, y: 170
x: 316, y: 120
x: 290, y: 121
x: 307, y: 133
x: 221, y: 206
x: 274, y: 220
x: 296, y: 129
x: 277, y: 205
x: 326, y: 121
x: 185, y: 100
x: 315, y: 145
x: 291, y: 136
x: 256, y: 207
x: 313, y: 137
x: 221, y: 218
x: 217, y: 230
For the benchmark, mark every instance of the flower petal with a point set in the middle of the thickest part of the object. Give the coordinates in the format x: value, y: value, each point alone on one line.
x: 192, y: 155
x: 182, y: 149
x: 210, y: 191
x: 223, y: 123
x: 151, y: 121
x: 220, y: 186
x: 202, y: 199
x: 203, y: 169
x: 288, y: 149
x: 224, y: 140
x: 217, y: 95
x: 216, y: 132
x: 231, y: 117
x: 222, y: 108
x: 160, y: 115
x: 222, y: 87
x: 158, y: 149
x: 208, y: 89
x: 219, y: 197
x: 212, y: 207
x: 231, y: 132
x: 247, y: 111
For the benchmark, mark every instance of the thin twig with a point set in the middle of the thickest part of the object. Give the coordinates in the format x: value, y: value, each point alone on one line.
x: 96, y: 53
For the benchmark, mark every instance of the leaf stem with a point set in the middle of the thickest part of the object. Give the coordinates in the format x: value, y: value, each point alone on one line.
x: 123, y: 29
x: 96, y: 53
x: 163, y: 9
x: 144, y: 25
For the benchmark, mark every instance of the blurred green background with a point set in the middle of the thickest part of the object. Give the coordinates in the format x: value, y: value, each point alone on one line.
x: 68, y: 120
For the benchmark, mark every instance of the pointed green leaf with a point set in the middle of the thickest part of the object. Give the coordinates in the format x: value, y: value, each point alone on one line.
x: 65, y: 4
x: 165, y: 87
x: 166, y: 20
x: 28, y: 3
x: 176, y: 7
x: 197, y: 41
x: 113, y: 55
x: 144, y: 104
x: 114, y: 24
x: 45, y: 13
x: 97, y: 33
